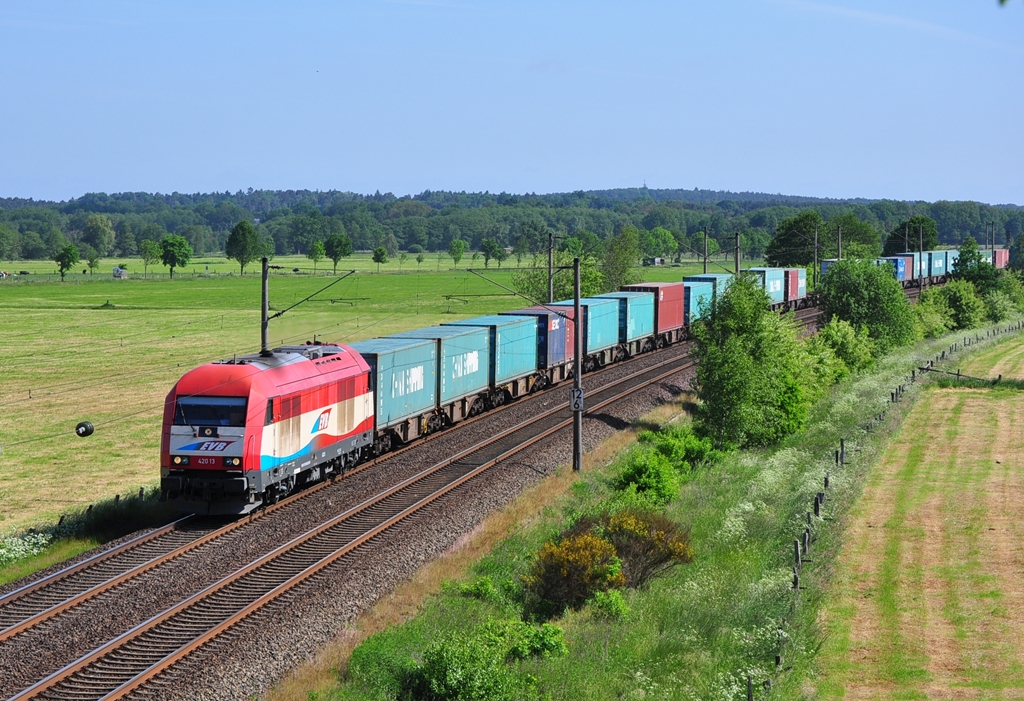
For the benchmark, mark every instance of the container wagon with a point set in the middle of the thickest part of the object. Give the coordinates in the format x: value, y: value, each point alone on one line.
x: 556, y: 338
x: 697, y: 294
x: 636, y: 321
x: 463, y: 368
x: 669, y: 312
x: 513, y: 358
x: 600, y: 330
x: 771, y: 281
x: 795, y: 286
x: 403, y: 381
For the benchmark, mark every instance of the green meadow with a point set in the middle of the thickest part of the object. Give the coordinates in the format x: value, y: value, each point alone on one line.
x: 107, y: 351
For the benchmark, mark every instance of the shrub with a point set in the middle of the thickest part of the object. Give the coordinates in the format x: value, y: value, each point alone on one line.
x: 648, y: 544
x: 609, y: 605
x: 683, y: 448
x: 852, y: 346
x: 460, y: 667
x: 521, y: 641
x: 966, y: 308
x: 932, y: 313
x: 415, y: 248
x: 651, y: 472
x: 868, y: 295
x: 569, y: 572
x: 1010, y: 284
x: 998, y: 306
x: 482, y: 589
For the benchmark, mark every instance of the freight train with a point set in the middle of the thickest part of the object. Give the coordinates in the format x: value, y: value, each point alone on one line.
x: 244, y: 432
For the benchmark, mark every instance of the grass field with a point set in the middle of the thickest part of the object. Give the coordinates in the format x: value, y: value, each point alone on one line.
x: 699, y: 631
x: 107, y: 351
x: 929, y: 601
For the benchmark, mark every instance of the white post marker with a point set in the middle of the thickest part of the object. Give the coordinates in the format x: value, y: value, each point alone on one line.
x: 576, y: 399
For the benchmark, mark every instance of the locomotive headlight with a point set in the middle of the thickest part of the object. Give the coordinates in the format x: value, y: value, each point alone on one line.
x: 232, y: 462
x: 180, y: 460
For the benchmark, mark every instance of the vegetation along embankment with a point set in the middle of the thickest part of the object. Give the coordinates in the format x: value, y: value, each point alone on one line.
x: 669, y: 572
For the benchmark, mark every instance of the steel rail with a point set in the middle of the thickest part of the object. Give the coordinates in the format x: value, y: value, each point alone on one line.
x: 656, y: 373
x: 21, y: 611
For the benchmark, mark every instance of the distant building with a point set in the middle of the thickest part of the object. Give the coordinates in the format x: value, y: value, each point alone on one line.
x: 654, y: 261
x: 120, y: 273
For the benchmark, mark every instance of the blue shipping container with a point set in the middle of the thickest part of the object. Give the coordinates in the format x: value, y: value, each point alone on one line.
x: 600, y: 323
x: 696, y: 294
x: 772, y: 281
x: 513, y: 344
x: 636, y: 314
x: 719, y: 281
x: 899, y: 266
x: 936, y: 263
x: 554, y: 335
x: 827, y: 262
x: 464, y: 359
x: 403, y: 377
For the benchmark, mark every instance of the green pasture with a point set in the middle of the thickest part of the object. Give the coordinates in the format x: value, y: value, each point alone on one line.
x: 107, y: 351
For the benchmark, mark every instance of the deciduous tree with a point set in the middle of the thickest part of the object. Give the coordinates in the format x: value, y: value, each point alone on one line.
x: 455, y: 249
x: 316, y: 253
x: 244, y: 245
x: 621, y: 254
x: 338, y: 246
x: 175, y: 252
x: 380, y: 255
x: 868, y: 295
x: 150, y: 253
x: 906, y: 236
x: 66, y: 259
x: 99, y: 233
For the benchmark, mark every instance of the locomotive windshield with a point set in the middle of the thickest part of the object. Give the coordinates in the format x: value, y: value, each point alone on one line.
x: 210, y: 411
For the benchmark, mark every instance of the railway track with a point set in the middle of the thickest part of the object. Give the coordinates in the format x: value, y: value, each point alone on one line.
x: 59, y: 592
x: 139, y: 656
x: 50, y: 596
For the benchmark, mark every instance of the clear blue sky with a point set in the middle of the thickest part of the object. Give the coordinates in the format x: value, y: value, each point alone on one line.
x: 906, y: 99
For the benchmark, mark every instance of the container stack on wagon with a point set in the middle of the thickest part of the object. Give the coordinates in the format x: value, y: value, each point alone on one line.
x: 636, y: 320
x: 669, y: 309
x: 513, y: 356
x: 600, y: 330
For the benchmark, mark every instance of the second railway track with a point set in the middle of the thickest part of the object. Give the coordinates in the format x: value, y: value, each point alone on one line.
x: 196, y: 610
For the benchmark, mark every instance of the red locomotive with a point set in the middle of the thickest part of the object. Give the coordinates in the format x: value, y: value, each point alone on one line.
x: 242, y: 432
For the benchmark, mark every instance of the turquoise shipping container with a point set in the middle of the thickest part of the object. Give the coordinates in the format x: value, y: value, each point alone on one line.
x: 772, y: 281
x: 513, y: 344
x: 696, y: 294
x: 600, y: 322
x: 636, y: 314
x: 719, y: 281
x: 987, y: 255
x: 403, y: 377
x: 936, y: 263
x: 952, y: 256
x: 464, y: 359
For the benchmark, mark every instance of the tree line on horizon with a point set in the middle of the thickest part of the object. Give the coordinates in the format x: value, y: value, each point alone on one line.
x: 301, y: 222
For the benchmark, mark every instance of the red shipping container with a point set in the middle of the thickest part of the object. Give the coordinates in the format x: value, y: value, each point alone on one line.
x: 1001, y: 257
x: 911, y: 273
x: 668, y: 303
x: 792, y: 284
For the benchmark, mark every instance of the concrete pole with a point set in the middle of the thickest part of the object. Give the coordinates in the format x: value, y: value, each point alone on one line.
x: 265, y: 311
x: 705, y: 250
x: 815, y: 271
x: 840, y: 246
x: 737, y: 254
x: 920, y: 248
x: 551, y: 266
x: 577, y: 375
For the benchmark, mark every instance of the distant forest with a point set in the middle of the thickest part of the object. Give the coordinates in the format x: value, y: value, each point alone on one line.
x: 289, y: 221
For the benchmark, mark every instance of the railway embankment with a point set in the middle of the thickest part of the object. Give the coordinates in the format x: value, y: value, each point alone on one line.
x: 766, y: 530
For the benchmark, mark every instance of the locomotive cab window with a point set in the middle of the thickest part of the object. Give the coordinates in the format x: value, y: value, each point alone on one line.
x: 210, y: 411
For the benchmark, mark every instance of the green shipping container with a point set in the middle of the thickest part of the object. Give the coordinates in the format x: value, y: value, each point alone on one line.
x: 513, y: 344
x: 403, y: 377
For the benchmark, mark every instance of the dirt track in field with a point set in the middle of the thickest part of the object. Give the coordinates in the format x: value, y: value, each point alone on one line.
x: 929, y: 601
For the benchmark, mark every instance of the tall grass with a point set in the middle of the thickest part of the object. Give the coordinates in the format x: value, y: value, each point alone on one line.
x: 702, y: 630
